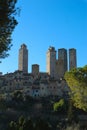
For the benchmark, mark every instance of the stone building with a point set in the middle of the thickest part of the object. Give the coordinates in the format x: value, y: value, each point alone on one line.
x: 35, y: 69
x: 40, y: 84
x: 57, y: 67
x: 72, y: 58
x: 23, y: 59
x: 62, y: 55
x: 61, y: 63
x: 51, y: 61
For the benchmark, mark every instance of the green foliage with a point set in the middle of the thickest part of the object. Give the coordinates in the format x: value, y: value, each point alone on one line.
x: 7, y: 25
x: 28, y: 124
x: 77, y: 81
x: 58, y: 104
x: 21, y: 121
x: 73, y: 127
x: 13, y: 125
x: 71, y: 115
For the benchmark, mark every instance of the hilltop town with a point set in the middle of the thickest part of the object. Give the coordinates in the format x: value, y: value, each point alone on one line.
x: 39, y: 95
x: 40, y: 84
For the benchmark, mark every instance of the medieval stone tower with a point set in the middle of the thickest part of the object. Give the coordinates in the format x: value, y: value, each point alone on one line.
x: 61, y: 63
x: 57, y: 67
x: 72, y: 58
x: 62, y: 54
x: 23, y: 59
x: 51, y: 61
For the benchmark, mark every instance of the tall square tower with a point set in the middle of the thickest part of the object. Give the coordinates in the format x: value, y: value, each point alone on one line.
x: 51, y: 61
x: 23, y: 59
x: 62, y: 56
x: 72, y: 58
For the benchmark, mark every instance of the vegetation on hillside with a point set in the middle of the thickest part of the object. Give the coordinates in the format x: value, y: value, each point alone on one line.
x: 77, y: 81
x: 47, y: 113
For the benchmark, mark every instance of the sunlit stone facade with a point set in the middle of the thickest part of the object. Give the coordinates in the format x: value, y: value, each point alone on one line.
x: 23, y: 59
x: 51, y: 61
x: 40, y: 84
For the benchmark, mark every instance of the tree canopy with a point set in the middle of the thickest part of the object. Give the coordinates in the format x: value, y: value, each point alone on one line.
x: 58, y: 104
x: 77, y: 81
x: 28, y: 124
x: 7, y: 25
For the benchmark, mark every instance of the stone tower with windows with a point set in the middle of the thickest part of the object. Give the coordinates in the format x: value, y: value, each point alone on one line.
x: 51, y: 61
x: 62, y: 55
x: 23, y: 59
x: 72, y: 58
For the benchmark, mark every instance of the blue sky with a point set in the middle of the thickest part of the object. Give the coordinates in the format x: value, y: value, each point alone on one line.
x: 44, y: 23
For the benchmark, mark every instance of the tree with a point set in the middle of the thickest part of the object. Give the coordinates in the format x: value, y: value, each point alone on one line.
x: 7, y: 25
x: 58, y: 105
x: 73, y: 127
x: 21, y: 121
x: 77, y: 81
x: 12, y: 125
x: 22, y: 124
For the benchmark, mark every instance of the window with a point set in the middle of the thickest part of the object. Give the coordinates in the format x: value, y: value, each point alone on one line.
x: 36, y: 90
